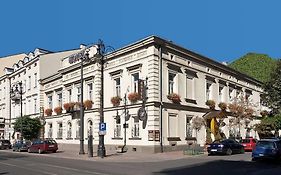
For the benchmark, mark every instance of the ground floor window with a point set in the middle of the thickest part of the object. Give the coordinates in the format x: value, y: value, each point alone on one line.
x: 69, y: 130
x: 50, y: 130
x: 117, y: 126
x: 59, y: 133
x: 188, y: 127
x: 173, y: 125
x: 135, y: 128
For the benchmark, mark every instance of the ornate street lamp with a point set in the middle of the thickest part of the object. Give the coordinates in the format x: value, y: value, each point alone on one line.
x: 16, y: 96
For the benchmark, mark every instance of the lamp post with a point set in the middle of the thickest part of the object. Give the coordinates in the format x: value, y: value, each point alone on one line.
x: 101, y: 51
x: 84, y: 57
x: 16, y: 95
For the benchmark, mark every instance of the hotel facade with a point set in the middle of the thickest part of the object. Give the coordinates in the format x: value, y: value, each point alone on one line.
x: 153, y: 66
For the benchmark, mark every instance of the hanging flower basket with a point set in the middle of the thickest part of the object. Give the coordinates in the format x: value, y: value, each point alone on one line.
x: 68, y: 106
x: 115, y: 101
x: 48, y: 112
x: 58, y: 110
x: 133, y: 97
x: 175, y: 98
x: 211, y: 104
x: 88, y: 104
x: 222, y: 106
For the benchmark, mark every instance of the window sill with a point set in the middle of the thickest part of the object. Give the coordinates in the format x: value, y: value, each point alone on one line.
x: 190, y: 101
x: 190, y: 138
x: 135, y: 138
x: 174, y: 139
x: 117, y: 138
x: 69, y: 138
x: 59, y: 138
x: 77, y: 138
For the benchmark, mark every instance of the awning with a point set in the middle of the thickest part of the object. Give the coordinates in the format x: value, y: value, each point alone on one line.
x: 212, y: 114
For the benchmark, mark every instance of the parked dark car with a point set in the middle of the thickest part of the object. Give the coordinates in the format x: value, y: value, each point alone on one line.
x: 267, y: 149
x: 5, y: 144
x: 42, y: 146
x: 226, y: 146
x: 21, y: 146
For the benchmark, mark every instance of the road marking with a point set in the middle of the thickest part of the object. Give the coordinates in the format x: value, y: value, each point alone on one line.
x: 74, y: 169
x: 40, y: 172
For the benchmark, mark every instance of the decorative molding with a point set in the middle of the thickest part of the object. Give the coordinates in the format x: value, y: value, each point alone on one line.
x: 174, y: 67
x: 173, y: 139
x: 190, y: 101
x: 137, y: 66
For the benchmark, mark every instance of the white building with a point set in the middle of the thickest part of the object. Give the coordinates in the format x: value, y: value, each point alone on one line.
x: 28, y: 70
x: 168, y: 69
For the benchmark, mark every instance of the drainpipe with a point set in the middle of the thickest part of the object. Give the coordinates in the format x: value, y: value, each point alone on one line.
x: 161, y: 99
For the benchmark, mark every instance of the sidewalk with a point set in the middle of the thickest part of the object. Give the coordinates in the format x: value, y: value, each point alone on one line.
x: 113, y: 156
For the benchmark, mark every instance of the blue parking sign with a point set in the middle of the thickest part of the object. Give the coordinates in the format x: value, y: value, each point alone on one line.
x: 102, y: 127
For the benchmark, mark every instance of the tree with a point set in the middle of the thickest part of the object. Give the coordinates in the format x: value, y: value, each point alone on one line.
x: 267, y: 125
x: 272, y: 90
x: 258, y: 66
x: 242, y: 110
x: 30, y: 127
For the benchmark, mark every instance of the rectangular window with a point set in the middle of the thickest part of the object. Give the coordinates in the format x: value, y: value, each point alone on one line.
x: 136, y: 129
x: 135, y: 78
x: 59, y: 133
x: 35, y: 106
x: 190, y: 88
x: 24, y: 86
x: 50, y: 102
x: 171, y: 82
x: 50, y: 131
x: 4, y: 93
x: 221, y: 93
x: 188, y: 127
x: 208, y: 90
x: 90, y: 91
x: 59, y: 99
x: 69, y: 95
x: 29, y: 82
x: 35, y: 80
x: 78, y: 94
x: 117, y: 127
x: 173, y: 125
x: 117, y: 87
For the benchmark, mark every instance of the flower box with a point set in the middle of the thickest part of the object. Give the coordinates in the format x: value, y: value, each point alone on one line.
x: 115, y: 101
x: 48, y: 112
x: 58, y: 110
x: 88, y: 104
x: 222, y: 106
x: 175, y: 98
x: 133, y: 97
x: 211, y: 104
x: 69, y: 106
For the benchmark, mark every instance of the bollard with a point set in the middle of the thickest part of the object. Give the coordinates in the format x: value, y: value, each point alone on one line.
x: 90, y: 146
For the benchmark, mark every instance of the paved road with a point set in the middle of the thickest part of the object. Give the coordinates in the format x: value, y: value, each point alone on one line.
x: 31, y: 164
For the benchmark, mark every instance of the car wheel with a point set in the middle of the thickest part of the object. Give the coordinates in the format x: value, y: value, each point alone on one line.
x: 39, y: 151
x: 228, y: 151
x: 54, y: 151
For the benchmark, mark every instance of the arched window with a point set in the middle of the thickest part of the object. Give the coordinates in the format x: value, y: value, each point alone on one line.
x: 90, y: 128
x: 69, y: 130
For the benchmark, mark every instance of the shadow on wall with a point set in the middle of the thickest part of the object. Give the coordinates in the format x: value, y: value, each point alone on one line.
x: 223, y: 167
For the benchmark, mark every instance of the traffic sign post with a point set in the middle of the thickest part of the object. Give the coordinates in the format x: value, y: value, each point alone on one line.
x: 102, y: 129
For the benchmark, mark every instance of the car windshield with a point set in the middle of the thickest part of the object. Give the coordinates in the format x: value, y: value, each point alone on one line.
x: 245, y: 141
x: 50, y: 141
x: 265, y: 144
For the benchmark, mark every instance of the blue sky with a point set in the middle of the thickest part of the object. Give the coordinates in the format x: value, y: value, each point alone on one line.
x: 220, y: 29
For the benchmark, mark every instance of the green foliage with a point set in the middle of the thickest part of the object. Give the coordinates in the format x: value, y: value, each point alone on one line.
x: 258, y: 66
x: 30, y: 127
x: 267, y: 125
x: 272, y: 90
x: 208, y: 136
